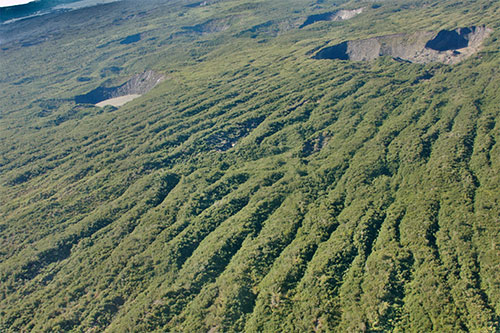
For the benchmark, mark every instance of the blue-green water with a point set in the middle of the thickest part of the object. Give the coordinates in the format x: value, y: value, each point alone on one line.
x: 41, y: 7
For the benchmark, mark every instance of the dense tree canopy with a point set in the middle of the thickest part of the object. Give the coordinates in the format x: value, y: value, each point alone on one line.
x: 256, y: 188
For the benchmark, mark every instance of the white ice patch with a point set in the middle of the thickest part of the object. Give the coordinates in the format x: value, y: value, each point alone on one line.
x: 9, y: 3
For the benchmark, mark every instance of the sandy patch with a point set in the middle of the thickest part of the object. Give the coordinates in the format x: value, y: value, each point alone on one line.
x: 118, y: 101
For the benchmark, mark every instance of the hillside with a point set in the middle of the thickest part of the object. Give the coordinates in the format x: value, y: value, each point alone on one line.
x: 254, y: 185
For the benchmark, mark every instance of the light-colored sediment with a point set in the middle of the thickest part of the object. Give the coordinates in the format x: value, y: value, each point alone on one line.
x: 448, y: 47
x: 339, y: 15
x: 136, y: 86
x: 344, y: 14
x: 118, y: 101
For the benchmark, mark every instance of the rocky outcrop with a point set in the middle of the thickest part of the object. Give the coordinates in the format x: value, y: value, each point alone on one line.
x: 446, y: 46
x: 137, y: 85
x: 339, y: 15
x: 275, y: 28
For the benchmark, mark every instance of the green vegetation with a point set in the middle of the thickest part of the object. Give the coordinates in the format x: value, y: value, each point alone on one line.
x: 255, y: 189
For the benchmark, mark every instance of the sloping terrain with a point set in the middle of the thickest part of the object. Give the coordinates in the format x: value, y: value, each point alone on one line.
x: 447, y: 46
x: 332, y: 16
x: 137, y: 85
x: 257, y: 189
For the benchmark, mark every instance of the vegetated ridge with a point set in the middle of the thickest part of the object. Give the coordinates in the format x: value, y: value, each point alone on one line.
x: 257, y: 189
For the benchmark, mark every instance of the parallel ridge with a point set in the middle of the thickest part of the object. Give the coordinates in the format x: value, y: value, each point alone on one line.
x: 256, y: 189
x: 380, y: 228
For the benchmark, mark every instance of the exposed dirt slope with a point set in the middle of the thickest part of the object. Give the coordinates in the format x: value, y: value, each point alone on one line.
x: 446, y: 46
x: 344, y: 14
x: 139, y: 84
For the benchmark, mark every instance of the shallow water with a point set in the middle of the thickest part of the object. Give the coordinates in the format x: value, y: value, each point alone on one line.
x: 15, y: 10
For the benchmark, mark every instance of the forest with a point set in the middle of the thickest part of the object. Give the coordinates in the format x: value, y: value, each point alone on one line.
x: 253, y: 186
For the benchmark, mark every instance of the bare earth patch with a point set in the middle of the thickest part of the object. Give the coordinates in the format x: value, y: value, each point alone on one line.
x: 445, y: 46
x: 340, y: 15
x: 136, y: 86
x: 118, y: 101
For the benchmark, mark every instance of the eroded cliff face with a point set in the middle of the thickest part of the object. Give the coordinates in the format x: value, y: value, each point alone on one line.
x: 445, y: 46
x: 137, y: 85
x: 340, y: 15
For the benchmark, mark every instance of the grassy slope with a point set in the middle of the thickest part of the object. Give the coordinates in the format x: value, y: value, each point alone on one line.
x: 356, y: 197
